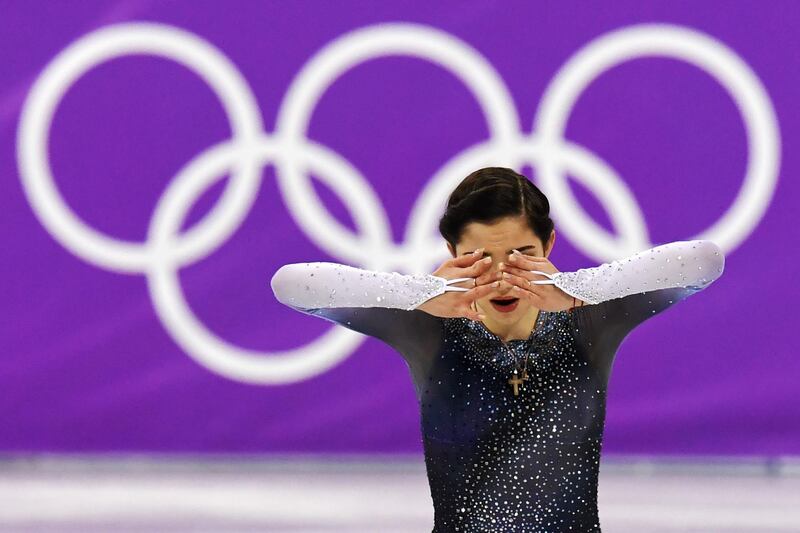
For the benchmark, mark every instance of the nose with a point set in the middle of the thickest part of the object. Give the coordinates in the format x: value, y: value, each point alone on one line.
x: 505, y: 286
x: 497, y: 274
x: 503, y: 290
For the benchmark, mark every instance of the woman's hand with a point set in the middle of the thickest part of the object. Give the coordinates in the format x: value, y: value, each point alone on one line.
x: 459, y: 303
x: 546, y: 297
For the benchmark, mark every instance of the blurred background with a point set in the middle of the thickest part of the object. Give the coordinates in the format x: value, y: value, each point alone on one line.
x: 161, y: 160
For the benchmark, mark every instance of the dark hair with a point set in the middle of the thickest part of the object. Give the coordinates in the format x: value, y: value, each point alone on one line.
x: 492, y: 193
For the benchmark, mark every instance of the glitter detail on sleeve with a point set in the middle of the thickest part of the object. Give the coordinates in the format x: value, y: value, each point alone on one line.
x: 322, y: 284
x: 675, y: 264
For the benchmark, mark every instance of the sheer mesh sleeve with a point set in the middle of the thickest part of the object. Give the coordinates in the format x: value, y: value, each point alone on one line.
x: 379, y: 304
x: 624, y: 293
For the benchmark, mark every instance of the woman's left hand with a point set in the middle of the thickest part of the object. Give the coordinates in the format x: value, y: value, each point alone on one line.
x: 547, y: 297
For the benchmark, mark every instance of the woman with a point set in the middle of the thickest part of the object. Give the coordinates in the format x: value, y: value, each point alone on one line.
x: 510, y: 358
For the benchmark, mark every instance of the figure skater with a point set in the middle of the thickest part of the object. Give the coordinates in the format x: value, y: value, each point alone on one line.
x: 510, y: 358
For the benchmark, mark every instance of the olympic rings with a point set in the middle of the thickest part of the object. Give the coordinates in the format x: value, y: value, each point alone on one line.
x: 166, y: 251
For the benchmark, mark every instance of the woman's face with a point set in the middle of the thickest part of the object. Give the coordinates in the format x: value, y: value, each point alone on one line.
x: 498, y: 240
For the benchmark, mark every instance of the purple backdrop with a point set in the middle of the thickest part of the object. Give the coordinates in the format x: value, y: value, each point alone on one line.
x: 88, y: 364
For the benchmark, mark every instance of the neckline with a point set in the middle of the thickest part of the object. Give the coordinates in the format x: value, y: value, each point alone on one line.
x: 534, y: 331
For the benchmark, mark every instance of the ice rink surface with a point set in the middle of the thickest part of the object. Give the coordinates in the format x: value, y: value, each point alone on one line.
x: 373, y: 494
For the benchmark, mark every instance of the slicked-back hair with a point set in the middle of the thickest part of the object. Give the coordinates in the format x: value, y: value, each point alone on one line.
x: 493, y: 193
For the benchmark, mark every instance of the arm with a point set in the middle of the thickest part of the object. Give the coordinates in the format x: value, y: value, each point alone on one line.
x: 624, y: 293
x: 383, y: 305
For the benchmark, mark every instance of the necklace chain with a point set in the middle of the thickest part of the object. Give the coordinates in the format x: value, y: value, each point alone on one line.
x: 516, y: 381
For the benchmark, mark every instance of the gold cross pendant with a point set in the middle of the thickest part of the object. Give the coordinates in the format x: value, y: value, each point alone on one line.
x: 515, y: 382
x: 525, y: 375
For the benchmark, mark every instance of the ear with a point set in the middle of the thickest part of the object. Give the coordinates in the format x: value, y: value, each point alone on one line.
x: 548, y: 247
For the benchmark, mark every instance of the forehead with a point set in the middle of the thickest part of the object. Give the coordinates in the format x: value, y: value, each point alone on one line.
x: 504, y: 232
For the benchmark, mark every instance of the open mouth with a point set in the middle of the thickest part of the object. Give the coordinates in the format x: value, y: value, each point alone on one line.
x: 504, y: 301
x: 504, y: 305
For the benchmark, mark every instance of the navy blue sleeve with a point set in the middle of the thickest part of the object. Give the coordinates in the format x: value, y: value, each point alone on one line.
x: 415, y: 334
x: 602, y: 327
x: 379, y: 304
x: 640, y: 287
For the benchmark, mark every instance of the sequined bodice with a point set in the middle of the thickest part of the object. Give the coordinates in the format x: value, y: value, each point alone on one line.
x: 499, y: 462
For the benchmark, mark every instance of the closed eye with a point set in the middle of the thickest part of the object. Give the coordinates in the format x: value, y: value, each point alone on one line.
x: 522, y: 249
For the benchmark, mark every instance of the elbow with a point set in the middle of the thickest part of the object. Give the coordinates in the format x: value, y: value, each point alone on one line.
x: 711, y: 261
x: 301, y: 286
x: 282, y: 284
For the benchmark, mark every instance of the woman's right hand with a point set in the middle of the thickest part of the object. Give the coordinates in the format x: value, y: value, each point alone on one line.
x: 459, y: 303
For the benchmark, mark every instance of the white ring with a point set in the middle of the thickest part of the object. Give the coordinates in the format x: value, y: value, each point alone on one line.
x: 65, y: 69
x: 693, y: 47
x: 294, y: 155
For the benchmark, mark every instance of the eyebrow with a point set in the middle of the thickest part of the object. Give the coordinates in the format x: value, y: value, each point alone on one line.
x: 521, y: 249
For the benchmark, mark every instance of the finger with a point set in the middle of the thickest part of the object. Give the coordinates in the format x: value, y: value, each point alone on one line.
x: 473, y: 315
x: 517, y: 253
x: 528, y: 295
x: 478, y: 268
x: 466, y: 260
x: 521, y: 272
x: 489, y: 277
x: 527, y: 274
x: 498, y: 288
x: 480, y: 291
x: 517, y: 281
x: 524, y: 264
x: 524, y: 284
x: 521, y: 289
x: 529, y: 262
